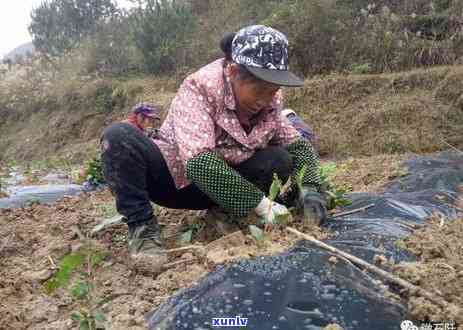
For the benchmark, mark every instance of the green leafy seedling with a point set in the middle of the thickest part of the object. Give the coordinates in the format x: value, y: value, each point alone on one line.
x: 258, y: 234
x: 337, y: 198
x: 300, y: 177
x: 76, y: 316
x: 67, y: 266
x: 282, y: 219
x: 97, y: 258
x: 326, y: 171
x: 81, y: 290
x: 344, y: 201
x: 193, y: 231
x: 186, y: 237
x: 286, y: 187
x: 94, y: 169
x: 275, y: 187
x: 100, y: 318
x: 85, y: 322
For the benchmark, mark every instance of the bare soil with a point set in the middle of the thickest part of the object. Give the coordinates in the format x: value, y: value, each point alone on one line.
x: 439, y: 269
x: 365, y: 115
x: 33, y: 240
x: 352, y: 115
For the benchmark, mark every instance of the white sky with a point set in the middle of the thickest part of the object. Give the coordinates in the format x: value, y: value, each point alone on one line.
x: 14, y: 20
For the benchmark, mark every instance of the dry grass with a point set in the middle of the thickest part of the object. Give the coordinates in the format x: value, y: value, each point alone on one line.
x: 354, y: 115
x: 368, y: 174
x: 389, y: 113
x: 69, y: 116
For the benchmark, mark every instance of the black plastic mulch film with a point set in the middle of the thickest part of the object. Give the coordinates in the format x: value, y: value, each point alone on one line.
x: 301, y: 289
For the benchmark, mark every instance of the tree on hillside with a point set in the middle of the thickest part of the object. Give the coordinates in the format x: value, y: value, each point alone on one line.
x: 59, y: 25
x: 161, y: 29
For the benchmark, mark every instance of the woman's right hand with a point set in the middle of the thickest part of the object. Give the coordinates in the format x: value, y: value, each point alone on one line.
x: 271, y: 211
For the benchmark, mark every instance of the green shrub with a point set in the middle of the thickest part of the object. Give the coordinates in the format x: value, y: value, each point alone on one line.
x: 94, y: 170
x: 103, y: 99
x: 161, y: 29
x: 364, y: 37
x: 313, y: 31
x: 388, y: 42
x: 59, y: 25
x: 112, y: 49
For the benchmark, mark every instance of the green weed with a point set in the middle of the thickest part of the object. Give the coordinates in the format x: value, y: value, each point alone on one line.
x: 94, y: 170
x: 192, y: 232
x: 335, y: 194
x: 258, y: 234
x: 68, y: 265
x: 89, y: 316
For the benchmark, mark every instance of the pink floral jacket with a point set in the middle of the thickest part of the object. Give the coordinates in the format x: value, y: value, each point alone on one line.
x: 202, y: 118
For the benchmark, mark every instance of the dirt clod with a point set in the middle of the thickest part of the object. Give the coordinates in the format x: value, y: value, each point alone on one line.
x: 38, y: 276
x: 380, y: 259
x: 333, y: 260
x: 38, y: 237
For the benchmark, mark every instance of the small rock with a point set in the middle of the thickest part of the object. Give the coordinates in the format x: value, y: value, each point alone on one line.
x: 148, y: 265
x: 38, y: 276
x: 379, y: 259
x: 333, y: 260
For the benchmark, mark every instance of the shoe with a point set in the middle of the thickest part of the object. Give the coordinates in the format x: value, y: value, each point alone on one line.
x: 146, y: 247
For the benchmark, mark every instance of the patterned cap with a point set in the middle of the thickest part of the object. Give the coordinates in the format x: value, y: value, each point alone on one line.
x: 147, y: 109
x: 264, y: 52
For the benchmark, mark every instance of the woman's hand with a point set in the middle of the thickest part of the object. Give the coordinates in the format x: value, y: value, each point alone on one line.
x: 313, y: 205
x: 270, y: 212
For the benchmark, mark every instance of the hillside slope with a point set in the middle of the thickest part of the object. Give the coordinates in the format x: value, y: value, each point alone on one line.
x: 352, y: 114
x: 390, y: 113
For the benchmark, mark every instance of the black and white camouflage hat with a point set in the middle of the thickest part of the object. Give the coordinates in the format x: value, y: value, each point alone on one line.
x: 264, y: 52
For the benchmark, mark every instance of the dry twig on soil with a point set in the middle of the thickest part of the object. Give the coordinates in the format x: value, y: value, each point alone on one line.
x: 179, y: 262
x: 52, y: 262
x: 360, y: 209
x: 451, y: 146
x: 185, y: 248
